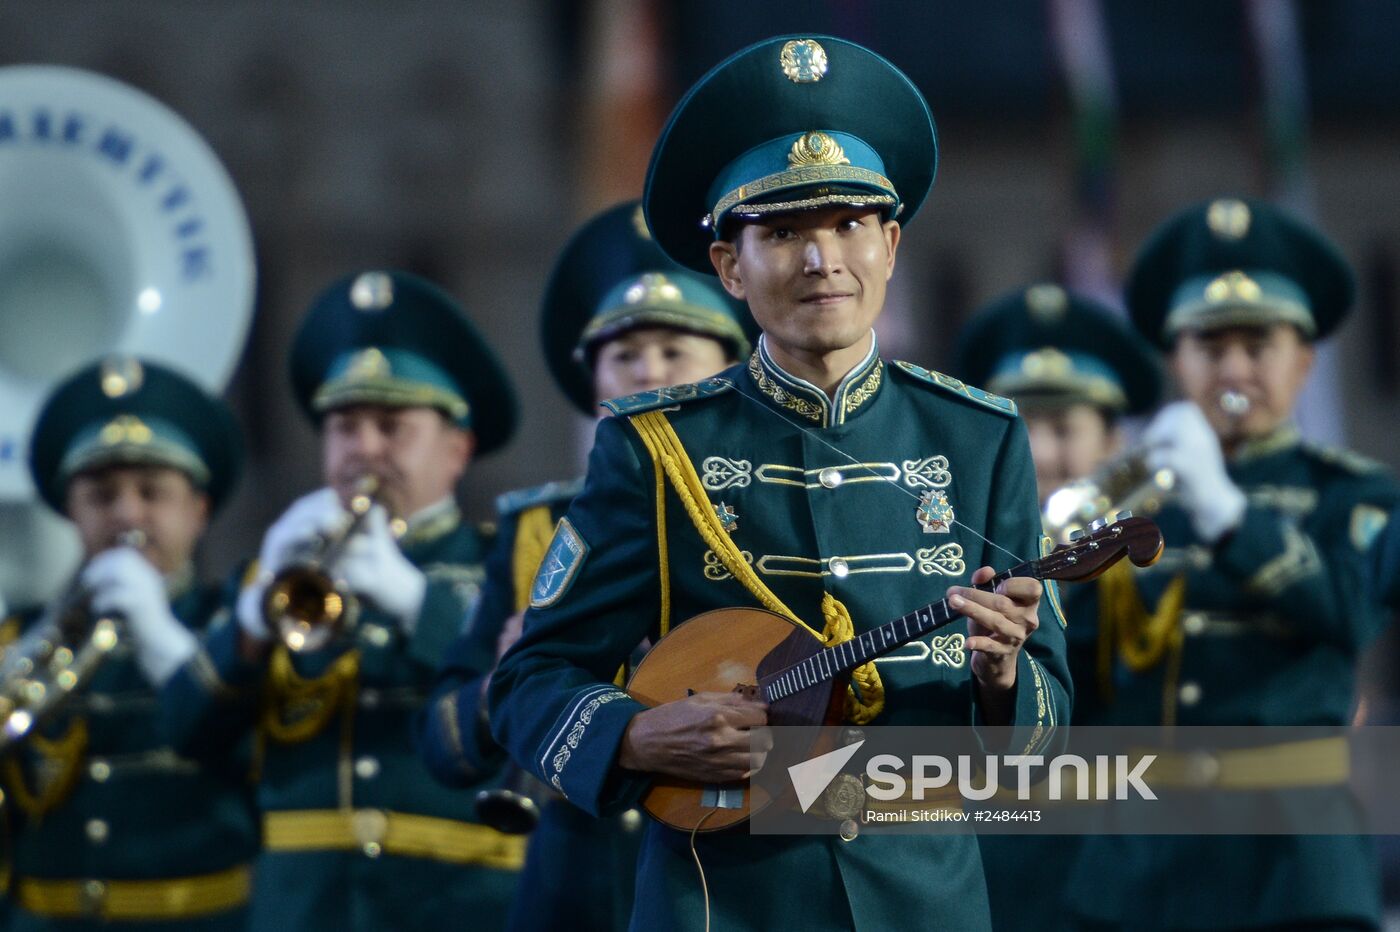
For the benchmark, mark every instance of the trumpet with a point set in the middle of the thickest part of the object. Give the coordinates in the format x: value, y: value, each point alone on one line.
x: 57, y: 657
x: 305, y: 604
x: 1124, y: 484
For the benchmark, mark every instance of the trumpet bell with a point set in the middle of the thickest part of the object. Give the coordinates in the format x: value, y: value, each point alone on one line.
x: 308, y: 608
x: 121, y: 233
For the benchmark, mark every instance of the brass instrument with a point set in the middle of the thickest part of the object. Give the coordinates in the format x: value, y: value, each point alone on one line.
x: 55, y: 658
x: 305, y: 604
x: 1124, y: 484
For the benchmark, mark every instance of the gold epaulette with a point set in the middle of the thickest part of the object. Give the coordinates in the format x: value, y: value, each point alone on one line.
x: 957, y: 387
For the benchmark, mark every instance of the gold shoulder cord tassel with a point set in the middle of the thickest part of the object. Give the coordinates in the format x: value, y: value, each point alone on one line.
x: 533, y: 532
x: 62, y: 757
x: 1129, y: 631
x: 669, y: 455
x: 296, y: 708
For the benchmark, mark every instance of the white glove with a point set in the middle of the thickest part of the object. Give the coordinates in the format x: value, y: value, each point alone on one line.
x: 375, y: 568
x: 308, y: 518
x: 1180, y: 439
x: 121, y: 581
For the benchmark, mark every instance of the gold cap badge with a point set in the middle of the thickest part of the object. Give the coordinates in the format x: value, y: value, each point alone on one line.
x: 1233, y: 286
x: 1047, y: 303
x: 372, y: 291
x: 653, y: 288
x: 1047, y: 363
x: 816, y: 149
x: 803, y: 61
x: 126, y: 428
x: 368, y: 364
x: 120, y: 375
x: 1228, y: 218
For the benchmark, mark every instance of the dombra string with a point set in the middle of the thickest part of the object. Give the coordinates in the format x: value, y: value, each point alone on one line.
x: 893, y: 482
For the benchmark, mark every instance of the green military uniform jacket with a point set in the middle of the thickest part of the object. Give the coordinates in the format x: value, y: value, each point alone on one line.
x: 134, y: 811
x: 358, y: 836
x: 601, y: 592
x: 1383, y: 563
x: 553, y: 892
x: 1273, y: 620
x: 1028, y: 875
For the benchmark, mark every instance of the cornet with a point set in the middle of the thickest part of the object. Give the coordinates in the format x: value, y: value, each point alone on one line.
x: 1124, y: 484
x: 55, y: 658
x: 305, y: 604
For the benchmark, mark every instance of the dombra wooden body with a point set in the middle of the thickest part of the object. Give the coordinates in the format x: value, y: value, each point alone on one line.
x: 770, y: 658
x: 729, y: 650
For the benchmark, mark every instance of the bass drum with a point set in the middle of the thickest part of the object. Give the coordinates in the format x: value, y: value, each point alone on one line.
x: 120, y: 232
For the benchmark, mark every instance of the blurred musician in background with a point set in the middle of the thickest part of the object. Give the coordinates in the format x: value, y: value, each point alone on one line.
x: 619, y: 317
x: 1256, y: 613
x: 357, y: 836
x: 108, y: 824
x: 1074, y: 369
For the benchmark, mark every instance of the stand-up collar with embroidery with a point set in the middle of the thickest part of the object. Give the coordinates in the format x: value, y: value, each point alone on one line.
x: 1284, y: 437
x: 431, y: 523
x: 857, y: 389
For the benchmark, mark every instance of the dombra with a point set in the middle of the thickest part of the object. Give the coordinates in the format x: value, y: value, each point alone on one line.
x: 121, y: 233
x: 762, y: 654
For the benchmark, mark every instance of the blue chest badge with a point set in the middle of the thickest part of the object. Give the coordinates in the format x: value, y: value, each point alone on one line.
x: 560, y: 566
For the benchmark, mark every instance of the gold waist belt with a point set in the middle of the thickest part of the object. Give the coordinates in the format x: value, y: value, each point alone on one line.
x: 1315, y: 762
x: 1290, y: 765
x: 136, y: 900
x: 376, y: 831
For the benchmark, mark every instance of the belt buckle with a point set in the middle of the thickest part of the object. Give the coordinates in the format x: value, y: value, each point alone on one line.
x: 369, y: 826
x: 92, y: 897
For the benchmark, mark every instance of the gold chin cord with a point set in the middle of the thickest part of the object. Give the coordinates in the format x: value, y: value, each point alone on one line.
x: 57, y: 656
x: 306, y: 605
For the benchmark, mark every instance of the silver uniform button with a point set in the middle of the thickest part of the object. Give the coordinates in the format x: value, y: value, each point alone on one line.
x: 1189, y: 694
x: 830, y: 477
x: 631, y: 820
x: 839, y: 567
x: 377, y: 635
x: 1194, y: 623
x: 99, y: 770
x: 850, y: 829
x: 369, y: 698
x: 367, y: 768
x: 97, y: 831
